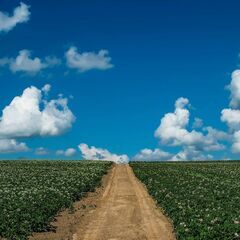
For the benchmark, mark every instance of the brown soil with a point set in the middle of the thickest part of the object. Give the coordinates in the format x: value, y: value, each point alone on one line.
x: 67, y: 222
x: 124, y: 211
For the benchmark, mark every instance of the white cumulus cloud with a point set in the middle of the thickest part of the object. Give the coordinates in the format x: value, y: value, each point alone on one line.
x: 234, y: 88
x: 236, y: 142
x: 198, y: 123
x: 24, y: 62
x: 88, y: 60
x: 173, y: 131
x: 46, y: 88
x: 11, y: 145
x: 41, y: 151
x: 152, y: 155
x: 191, y: 153
x: 20, y: 14
x: 31, y: 115
x: 231, y: 115
x: 93, y: 153
x: 67, y: 153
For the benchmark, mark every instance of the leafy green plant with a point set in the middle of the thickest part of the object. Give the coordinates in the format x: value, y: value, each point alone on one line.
x: 202, y: 199
x: 33, y: 192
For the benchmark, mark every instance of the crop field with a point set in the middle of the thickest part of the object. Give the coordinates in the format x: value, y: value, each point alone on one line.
x: 33, y: 192
x: 201, y: 199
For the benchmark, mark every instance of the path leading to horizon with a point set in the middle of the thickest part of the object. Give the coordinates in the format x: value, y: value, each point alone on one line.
x: 126, y: 211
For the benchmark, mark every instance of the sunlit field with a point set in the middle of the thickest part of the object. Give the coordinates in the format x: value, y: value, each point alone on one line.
x: 201, y: 199
x: 33, y: 192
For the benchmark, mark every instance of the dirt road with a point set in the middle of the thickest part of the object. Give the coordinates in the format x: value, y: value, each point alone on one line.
x: 126, y: 211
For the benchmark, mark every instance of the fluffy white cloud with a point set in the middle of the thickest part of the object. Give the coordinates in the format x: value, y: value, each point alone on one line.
x: 212, y: 138
x: 11, y: 145
x: 31, y: 115
x: 234, y: 88
x: 232, y: 118
x: 20, y: 14
x: 24, y: 62
x: 93, y: 153
x: 191, y: 153
x: 67, y: 153
x: 173, y: 131
x: 181, y: 103
x: 46, y: 88
x: 88, y: 60
x: 236, y: 142
x: 187, y: 153
x: 152, y: 155
x: 198, y: 123
x: 41, y: 151
x: 231, y: 115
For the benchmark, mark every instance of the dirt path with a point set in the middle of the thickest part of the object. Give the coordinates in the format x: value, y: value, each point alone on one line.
x: 125, y: 212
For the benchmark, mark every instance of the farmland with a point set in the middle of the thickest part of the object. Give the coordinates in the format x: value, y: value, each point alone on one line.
x: 33, y: 192
x: 202, y: 199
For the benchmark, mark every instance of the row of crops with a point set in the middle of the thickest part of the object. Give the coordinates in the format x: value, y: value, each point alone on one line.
x: 33, y: 192
x: 202, y: 199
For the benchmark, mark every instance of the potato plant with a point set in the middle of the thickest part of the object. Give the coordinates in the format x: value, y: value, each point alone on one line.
x: 202, y: 199
x: 33, y: 192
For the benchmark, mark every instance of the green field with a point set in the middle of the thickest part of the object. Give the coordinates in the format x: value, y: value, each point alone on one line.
x: 33, y: 192
x: 202, y: 199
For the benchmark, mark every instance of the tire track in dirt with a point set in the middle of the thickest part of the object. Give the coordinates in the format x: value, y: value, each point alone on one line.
x: 126, y: 211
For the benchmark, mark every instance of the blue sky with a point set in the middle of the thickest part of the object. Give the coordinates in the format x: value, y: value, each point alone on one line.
x: 160, y: 51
